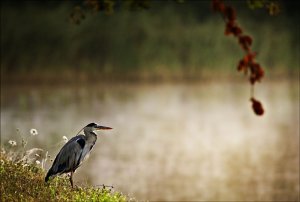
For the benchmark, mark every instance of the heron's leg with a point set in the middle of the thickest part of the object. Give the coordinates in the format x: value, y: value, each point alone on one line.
x: 71, y: 179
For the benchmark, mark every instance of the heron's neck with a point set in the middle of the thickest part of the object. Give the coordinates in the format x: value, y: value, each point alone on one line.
x: 90, y: 133
x: 91, y: 137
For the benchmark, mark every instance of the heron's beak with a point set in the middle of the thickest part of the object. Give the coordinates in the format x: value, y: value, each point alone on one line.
x: 103, y: 128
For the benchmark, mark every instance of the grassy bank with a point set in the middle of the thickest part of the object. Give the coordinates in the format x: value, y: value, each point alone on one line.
x: 26, y: 183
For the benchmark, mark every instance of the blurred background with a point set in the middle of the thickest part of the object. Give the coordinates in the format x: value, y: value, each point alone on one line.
x: 165, y: 78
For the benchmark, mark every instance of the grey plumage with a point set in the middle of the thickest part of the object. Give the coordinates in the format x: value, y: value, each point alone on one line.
x: 74, y: 152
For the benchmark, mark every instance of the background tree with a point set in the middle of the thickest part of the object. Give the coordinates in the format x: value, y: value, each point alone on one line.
x: 228, y: 13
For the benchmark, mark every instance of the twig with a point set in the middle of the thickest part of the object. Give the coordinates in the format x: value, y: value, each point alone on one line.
x: 105, y: 186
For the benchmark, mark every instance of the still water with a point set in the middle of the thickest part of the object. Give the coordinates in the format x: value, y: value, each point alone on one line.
x: 170, y: 141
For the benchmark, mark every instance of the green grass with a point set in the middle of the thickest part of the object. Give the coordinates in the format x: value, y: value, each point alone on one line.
x: 26, y: 183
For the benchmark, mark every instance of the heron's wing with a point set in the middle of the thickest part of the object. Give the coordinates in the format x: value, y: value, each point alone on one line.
x: 70, y: 155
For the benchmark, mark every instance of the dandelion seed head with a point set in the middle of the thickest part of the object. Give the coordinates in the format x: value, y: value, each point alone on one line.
x: 65, y: 139
x: 12, y: 143
x: 33, y: 131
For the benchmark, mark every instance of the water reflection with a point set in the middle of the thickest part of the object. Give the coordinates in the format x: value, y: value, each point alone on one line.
x: 171, y: 141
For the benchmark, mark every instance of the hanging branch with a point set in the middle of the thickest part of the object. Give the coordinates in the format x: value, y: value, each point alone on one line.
x: 247, y: 63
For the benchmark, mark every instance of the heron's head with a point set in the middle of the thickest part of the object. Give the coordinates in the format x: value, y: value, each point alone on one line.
x: 94, y: 127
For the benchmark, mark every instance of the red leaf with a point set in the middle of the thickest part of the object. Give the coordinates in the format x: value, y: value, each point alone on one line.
x: 228, y: 28
x: 256, y: 72
x: 230, y: 13
x: 218, y: 6
x: 257, y: 107
x: 248, y: 39
x: 261, y: 73
x: 242, y: 65
x: 236, y: 31
x: 249, y: 57
x: 245, y: 41
x: 231, y: 28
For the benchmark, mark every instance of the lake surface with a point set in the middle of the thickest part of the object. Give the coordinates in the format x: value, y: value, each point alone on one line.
x: 197, y: 141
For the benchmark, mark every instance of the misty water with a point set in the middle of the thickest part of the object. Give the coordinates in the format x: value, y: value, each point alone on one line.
x: 170, y: 141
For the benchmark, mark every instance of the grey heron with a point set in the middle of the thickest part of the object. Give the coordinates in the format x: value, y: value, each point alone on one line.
x: 74, y: 152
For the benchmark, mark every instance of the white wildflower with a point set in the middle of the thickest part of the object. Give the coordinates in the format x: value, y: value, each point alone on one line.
x: 33, y: 132
x: 2, y: 162
x: 65, y: 139
x: 12, y: 143
x: 25, y: 165
x: 37, y: 162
